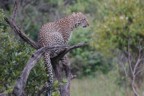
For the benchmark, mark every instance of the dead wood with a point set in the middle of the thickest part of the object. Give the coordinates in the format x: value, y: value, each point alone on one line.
x: 21, y: 81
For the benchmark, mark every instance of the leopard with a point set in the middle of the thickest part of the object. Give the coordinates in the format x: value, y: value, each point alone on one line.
x: 58, y: 33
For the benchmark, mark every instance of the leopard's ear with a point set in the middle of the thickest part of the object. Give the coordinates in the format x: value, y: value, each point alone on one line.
x: 79, y: 13
x: 74, y: 14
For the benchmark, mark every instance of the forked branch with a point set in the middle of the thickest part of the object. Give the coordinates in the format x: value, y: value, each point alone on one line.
x: 21, y: 81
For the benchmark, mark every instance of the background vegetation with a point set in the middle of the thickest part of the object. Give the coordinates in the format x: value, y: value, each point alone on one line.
x: 115, y: 35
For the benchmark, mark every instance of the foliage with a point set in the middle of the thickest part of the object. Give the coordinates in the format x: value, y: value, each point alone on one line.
x: 123, y: 21
x: 87, y: 61
x: 14, y: 54
x: 121, y: 31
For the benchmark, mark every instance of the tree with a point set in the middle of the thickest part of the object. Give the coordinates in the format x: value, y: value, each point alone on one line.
x: 121, y: 31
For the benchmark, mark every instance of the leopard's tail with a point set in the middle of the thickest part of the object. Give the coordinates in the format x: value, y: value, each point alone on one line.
x: 49, y: 71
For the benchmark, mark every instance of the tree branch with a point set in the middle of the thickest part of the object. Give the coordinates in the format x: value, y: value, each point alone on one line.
x: 62, y: 54
x: 21, y: 34
x: 16, y: 5
x: 21, y: 81
x: 12, y: 23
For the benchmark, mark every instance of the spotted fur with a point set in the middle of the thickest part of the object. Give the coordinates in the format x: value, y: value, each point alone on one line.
x: 58, y: 33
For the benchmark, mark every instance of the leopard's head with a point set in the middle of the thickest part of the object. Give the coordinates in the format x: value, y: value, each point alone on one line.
x: 80, y: 19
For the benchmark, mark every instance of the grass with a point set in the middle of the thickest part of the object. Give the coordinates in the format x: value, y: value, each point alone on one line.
x: 101, y: 86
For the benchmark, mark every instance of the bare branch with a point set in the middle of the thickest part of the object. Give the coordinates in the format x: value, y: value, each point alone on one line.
x: 134, y: 76
x: 23, y: 36
x: 21, y: 82
x: 16, y: 5
x: 16, y: 29
x: 134, y: 73
x: 139, y: 71
x: 61, y: 55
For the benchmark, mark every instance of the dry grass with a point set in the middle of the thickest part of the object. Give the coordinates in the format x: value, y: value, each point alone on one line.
x: 100, y: 86
x: 103, y: 85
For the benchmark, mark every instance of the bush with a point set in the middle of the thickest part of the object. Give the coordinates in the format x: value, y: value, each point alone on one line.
x: 14, y: 54
x: 87, y: 61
